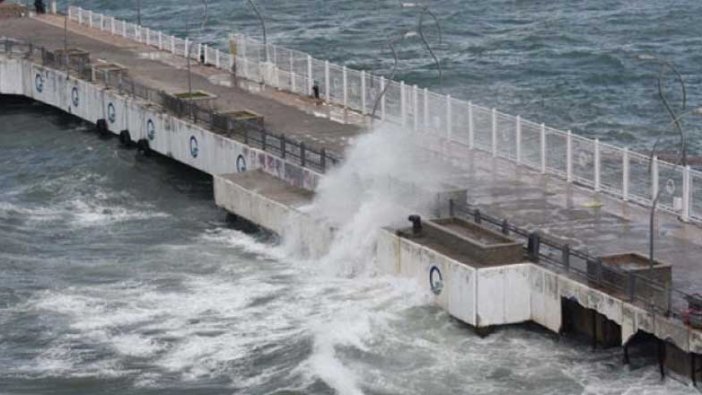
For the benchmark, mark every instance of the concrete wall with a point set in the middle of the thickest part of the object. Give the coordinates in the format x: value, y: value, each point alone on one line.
x: 167, y: 135
x: 480, y: 297
x: 310, y: 236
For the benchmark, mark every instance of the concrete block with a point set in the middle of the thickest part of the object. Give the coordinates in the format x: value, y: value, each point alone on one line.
x: 461, y: 293
x: 673, y: 332
x: 388, y: 252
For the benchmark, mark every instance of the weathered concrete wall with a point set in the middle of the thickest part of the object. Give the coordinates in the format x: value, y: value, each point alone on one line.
x: 312, y: 237
x: 521, y: 292
x: 167, y: 135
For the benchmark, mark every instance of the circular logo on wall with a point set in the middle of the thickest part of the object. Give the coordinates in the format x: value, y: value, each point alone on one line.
x: 150, y: 129
x: 74, y: 96
x: 39, y: 83
x: 194, y: 150
x: 436, y: 282
x: 240, y: 164
x: 111, y: 113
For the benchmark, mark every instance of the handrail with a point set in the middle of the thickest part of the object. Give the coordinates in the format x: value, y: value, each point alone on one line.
x: 600, y: 167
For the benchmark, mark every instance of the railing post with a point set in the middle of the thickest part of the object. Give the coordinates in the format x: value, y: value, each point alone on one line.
x: 471, y: 127
x: 494, y: 132
x: 80, y: 16
x: 70, y: 17
x: 186, y: 51
x: 415, y: 107
x: 310, y: 81
x: 565, y: 256
x: 124, y: 29
x: 263, y: 140
x: 569, y: 156
x: 534, y: 246
x: 160, y: 40
x: 323, y: 158
x: 403, y: 109
x: 382, y: 98
x: 112, y: 26
x: 686, y: 194
x: 217, y: 58
x: 625, y: 174
x: 327, y: 82
x: 426, y: 109
x: 518, y: 137
x: 206, y: 54
x: 292, y: 73
x: 449, y: 118
x: 654, y: 178
x: 173, y: 48
x: 631, y: 286
x: 363, y: 92
x: 542, y: 141
x: 148, y: 36
x: 90, y: 18
x: 345, y: 86
x: 283, y: 147
x: 302, y: 154
x: 102, y: 22
x: 597, y: 164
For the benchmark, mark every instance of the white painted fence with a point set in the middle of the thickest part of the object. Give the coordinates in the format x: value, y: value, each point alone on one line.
x: 601, y: 167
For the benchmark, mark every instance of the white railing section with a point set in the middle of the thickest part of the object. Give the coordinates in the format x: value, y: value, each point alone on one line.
x: 616, y: 171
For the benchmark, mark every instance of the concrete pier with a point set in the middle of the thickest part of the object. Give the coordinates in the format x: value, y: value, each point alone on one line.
x: 273, y: 192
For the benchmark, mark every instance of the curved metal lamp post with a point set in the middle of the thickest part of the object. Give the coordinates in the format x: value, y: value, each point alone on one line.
x: 675, y: 119
x: 263, y: 26
x: 391, y: 44
x: 420, y: 29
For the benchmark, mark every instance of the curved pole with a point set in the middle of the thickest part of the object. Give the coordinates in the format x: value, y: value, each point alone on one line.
x: 666, y: 104
x: 426, y: 44
x: 391, y: 44
x: 263, y: 26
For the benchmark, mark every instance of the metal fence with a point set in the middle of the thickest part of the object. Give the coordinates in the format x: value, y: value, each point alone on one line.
x: 601, y: 167
x: 250, y: 131
x: 647, y: 292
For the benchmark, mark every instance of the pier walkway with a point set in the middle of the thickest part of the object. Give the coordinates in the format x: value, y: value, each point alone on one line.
x: 588, y: 220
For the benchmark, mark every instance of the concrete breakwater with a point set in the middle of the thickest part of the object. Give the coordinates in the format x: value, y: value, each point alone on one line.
x: 482, y: 297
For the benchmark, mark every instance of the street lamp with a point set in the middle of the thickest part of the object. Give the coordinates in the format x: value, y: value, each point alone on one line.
x: 665, y: 66
x: 263, y: 26
x: 391, y: 44
x: 420, y: 29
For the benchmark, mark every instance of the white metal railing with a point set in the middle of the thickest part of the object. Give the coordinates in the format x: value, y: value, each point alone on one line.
x: 602, y: 167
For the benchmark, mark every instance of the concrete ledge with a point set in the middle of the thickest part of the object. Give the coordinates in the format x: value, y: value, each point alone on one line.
x: 276, y: 206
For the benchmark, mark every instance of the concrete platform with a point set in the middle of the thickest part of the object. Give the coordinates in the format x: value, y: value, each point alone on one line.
x: 286, y: 114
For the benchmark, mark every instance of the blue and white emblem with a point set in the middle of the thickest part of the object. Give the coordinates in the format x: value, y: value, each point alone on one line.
x: 240, y: 164
x: 39, y: 83
x: 436, y: 282
x: 194, y: 150
x: 150, y: 129
x: 75, y: 99
x: 111, y: 113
